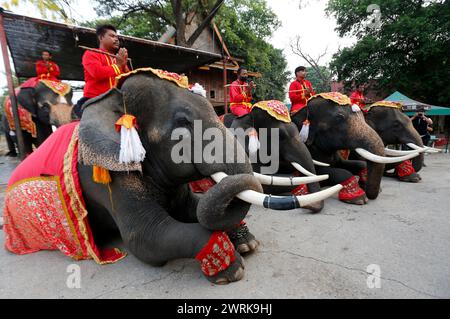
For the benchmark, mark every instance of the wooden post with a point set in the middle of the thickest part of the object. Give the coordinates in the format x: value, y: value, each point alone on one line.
x: 12, y: 94
x: 225, y: 88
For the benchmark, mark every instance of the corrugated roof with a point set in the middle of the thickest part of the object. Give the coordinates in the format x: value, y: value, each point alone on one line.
x: 28, y: 37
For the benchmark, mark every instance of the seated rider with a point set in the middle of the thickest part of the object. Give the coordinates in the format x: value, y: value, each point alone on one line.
x: 100, y: 70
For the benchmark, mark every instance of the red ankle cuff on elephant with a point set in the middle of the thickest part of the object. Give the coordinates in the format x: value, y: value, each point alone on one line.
x: 300, y: 190
x: 351, y: 189
x: 217, y: 255
x: 405, y: 169
x: 363, y: 175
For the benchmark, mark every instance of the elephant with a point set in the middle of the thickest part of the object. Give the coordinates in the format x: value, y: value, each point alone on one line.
x: 335, y: 125
x: 395, y: 127
x: 39, y: 108
x: 292, y: 152
x: 149, y: 203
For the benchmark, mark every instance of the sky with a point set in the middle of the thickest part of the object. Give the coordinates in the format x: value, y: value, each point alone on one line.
x: 309, y: 22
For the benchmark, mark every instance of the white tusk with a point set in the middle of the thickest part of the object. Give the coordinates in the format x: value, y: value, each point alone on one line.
x: 288, y: 181
x: 302, y: 170
x: 382, y: 159
x: 391, y: 152
x: 425, y: 149
x: 280, y: 202
x: 320, y: 163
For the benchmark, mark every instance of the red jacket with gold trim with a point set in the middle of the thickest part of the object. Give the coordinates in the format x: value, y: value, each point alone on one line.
x: 48, y: 71
x: 100, y: 71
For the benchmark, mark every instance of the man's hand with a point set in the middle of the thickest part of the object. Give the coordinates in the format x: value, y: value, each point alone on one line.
x: 122, y: 57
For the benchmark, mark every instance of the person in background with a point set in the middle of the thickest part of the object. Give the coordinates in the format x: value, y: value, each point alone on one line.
x: 357, y: 96
x: 46, y: 69
x: 241, y: 94
x: 300, y: 90
x: 100, y: 70
x: 421, y: 124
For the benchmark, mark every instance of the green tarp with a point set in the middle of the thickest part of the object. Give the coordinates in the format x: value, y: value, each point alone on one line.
x: 406, y: 101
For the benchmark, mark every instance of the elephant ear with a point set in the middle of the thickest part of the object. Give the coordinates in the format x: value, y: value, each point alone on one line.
x: 27, y: 100
x: 99, y: 142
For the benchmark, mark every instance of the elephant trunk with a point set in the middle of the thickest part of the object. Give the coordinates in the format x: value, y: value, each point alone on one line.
x: 60, y: 114
x: 363, y: 136
x: 295, y: 151
x: 219, y: 209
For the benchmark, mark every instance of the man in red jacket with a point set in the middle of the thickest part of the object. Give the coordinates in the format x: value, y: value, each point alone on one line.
x: 241, y: 94
x: 100, y: 70
x: 47, y: 69
x: 357, y: 96
x: 300, y: 90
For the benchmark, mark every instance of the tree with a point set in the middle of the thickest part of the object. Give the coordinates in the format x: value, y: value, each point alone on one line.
x: 56, y: 8
x: 246, y: 26
x: 320, y: 74
x: 403, y: 46
x: 176, y: 13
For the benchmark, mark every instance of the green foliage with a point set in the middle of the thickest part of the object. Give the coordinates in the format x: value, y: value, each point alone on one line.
x: 53, y: 9
x: 409, y: 51
x: 246, y: 26
x: 316, y: 81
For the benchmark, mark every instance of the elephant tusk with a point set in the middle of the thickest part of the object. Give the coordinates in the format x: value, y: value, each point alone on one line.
x: 280, y: 202
x: 302, y: 170
x: 382, y: 159
x: 289, y: 181
x: 391, y: 152
x: 424, y: 149
x: 321, y: 164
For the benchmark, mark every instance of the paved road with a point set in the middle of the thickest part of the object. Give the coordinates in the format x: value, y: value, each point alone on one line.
x: 406, y: 232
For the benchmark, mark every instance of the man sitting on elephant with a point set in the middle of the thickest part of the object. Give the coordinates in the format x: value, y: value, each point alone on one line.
x: 241, y: 93
x: 46, y: 69
x: 100, y: 70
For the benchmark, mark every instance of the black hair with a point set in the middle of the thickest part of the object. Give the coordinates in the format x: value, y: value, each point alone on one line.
x: 102, y: 29
x: 300, y: 68
x: 240, y: 70
x: 47, y: 52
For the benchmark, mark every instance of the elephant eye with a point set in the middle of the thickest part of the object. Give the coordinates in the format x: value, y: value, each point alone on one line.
x: 182, y: 121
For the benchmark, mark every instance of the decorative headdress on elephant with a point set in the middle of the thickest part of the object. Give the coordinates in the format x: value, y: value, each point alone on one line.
x: 124, y: 151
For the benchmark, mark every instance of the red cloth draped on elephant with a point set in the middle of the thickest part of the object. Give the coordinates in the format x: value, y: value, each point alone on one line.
x: 44, y: 205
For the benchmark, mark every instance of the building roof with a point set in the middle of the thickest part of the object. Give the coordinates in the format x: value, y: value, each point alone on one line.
x: 27, y: 37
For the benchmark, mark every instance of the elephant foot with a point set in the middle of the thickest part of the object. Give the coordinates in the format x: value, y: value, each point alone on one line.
x: 243, y: 241
x: 413, y: 178
x: 361, y: 200
x: 315, y: 208
x: 234, y: 272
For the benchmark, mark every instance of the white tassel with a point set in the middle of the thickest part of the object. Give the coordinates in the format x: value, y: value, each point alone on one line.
x: 356, y: 108
x: 131, y: 149
x: 198, y: 89
x: 253, y: 142
x: 304, y: 133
